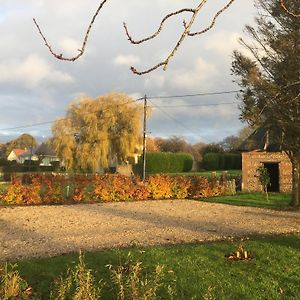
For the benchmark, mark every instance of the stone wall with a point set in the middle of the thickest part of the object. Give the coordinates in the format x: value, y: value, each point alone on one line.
x: 254, y: 159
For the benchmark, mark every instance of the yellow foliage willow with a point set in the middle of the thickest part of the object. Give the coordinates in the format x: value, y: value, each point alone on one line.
x: 96, y: 130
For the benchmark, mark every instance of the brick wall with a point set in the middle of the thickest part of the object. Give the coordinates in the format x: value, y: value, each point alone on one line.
x: 254, y: 159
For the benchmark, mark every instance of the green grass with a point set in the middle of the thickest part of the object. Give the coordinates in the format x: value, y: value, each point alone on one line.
x: 274, y: 273
x: 276, y: 200
x: 208, y: 173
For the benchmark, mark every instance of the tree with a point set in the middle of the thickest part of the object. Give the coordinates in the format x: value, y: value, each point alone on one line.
x: 151, y: 145
x: 173, y: 144
x: 231, y: 143
x: 187, y: 30
x: 270, y: 80
x: 96, y: 130
x: 23, y: 141
x: 264, y: 179
x: 211, y: 148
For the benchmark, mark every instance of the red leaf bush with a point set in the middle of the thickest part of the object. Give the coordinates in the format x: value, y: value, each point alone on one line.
x: 59, y: 189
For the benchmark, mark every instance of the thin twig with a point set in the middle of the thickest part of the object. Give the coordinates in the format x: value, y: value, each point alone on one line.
x: 81, y: 51
x: 185, y: 33
x: 214, y: 20
x: 283, y: 5
x: 191, y: 10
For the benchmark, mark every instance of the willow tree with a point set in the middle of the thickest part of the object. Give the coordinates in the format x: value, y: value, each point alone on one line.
x: 95, y: 130
x: 270, y: 79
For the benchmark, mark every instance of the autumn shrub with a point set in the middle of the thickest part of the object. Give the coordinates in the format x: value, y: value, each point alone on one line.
x: 180, y: 186
x: 53, y: 189
x: 18, y: 193
x: 202, y: 187
x: 159, y: 187
x: 113, y: 187
x: 83, y: 187
x: 141, y: 191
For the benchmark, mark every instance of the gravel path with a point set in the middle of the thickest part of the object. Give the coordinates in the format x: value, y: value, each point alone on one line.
x: 51, y: 230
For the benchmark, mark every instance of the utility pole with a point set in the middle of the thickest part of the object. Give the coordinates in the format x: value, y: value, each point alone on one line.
x: 144, y: 138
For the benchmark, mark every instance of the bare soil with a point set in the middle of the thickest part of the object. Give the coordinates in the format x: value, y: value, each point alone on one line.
x: 36, y: 231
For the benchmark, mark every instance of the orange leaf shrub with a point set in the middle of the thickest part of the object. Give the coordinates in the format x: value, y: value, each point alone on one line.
x: 141, y: 191
x: 53, y: 189
x: 113, y: 187
x: 180, y: 186
x: 159, y: 187
x: 83, y: 187
x: 17, y: 193
x: 201, y: 187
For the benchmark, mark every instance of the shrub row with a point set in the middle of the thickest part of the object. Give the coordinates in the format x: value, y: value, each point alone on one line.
x: 59, y: 189
x: 222, y: 161
x: 166, y: 162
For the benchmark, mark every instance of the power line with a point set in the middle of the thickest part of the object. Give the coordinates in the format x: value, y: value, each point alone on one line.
x: 139, y: 99
x: 193, y: 95
x: 175, y: 120
x: 65, y: 118
x: 193, y: 105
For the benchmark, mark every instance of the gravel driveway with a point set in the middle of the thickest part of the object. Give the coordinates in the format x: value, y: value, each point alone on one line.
x: 51, y: 230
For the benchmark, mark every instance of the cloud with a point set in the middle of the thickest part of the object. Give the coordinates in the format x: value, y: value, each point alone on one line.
x: 70, y: 46
x: 32, y: 72
x: 202, y: 73
x: 126, y: 60
x: 225, y: 42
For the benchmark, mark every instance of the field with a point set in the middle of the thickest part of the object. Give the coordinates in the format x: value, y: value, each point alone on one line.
x: 197, y: 271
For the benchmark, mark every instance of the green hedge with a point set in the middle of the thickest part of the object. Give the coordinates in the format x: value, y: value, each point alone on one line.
x: 222, y: 161
x: 165, y: 162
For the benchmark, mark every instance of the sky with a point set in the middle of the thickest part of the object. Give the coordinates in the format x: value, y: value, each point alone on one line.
x: 37, y: 88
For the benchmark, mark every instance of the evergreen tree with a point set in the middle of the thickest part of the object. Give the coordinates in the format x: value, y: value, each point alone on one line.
x: 269, y: 78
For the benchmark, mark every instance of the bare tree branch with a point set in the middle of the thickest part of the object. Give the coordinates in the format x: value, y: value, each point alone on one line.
x: 214, y: 20
x: 283, y: 5
x: 192, y: 10
x: 85, y: 39
x: 164, y: 63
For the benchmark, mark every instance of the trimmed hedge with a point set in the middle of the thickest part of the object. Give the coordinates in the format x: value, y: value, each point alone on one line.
x: 61, y: 189
x: 166, y: 162
x: 222, y: 161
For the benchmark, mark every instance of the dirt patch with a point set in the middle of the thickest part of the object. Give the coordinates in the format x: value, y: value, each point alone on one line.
x: 52, y: 230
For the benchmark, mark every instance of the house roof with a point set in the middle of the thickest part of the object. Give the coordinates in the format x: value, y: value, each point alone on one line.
x: 44, y: 150
x: 261, y: 140
x: 19, y: 152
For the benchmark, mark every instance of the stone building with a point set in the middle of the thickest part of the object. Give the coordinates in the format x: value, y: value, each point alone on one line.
x: 258, y: 151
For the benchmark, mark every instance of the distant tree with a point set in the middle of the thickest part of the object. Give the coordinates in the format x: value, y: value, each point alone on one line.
x: 151, y: 145
x: 173, y: 144
x: 96, y: 129
x: 211, y: 148
x: 270, y: 79
x: 196, y: 150
x: 23, y: 141
x: 231, y: 143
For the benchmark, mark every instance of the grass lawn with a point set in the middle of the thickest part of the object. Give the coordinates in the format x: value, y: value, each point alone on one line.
x: 200, y: 270
x: 276, y: 200
x: 208, y: 173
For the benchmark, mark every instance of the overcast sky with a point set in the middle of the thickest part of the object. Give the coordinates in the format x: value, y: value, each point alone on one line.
x: 35, y: 87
